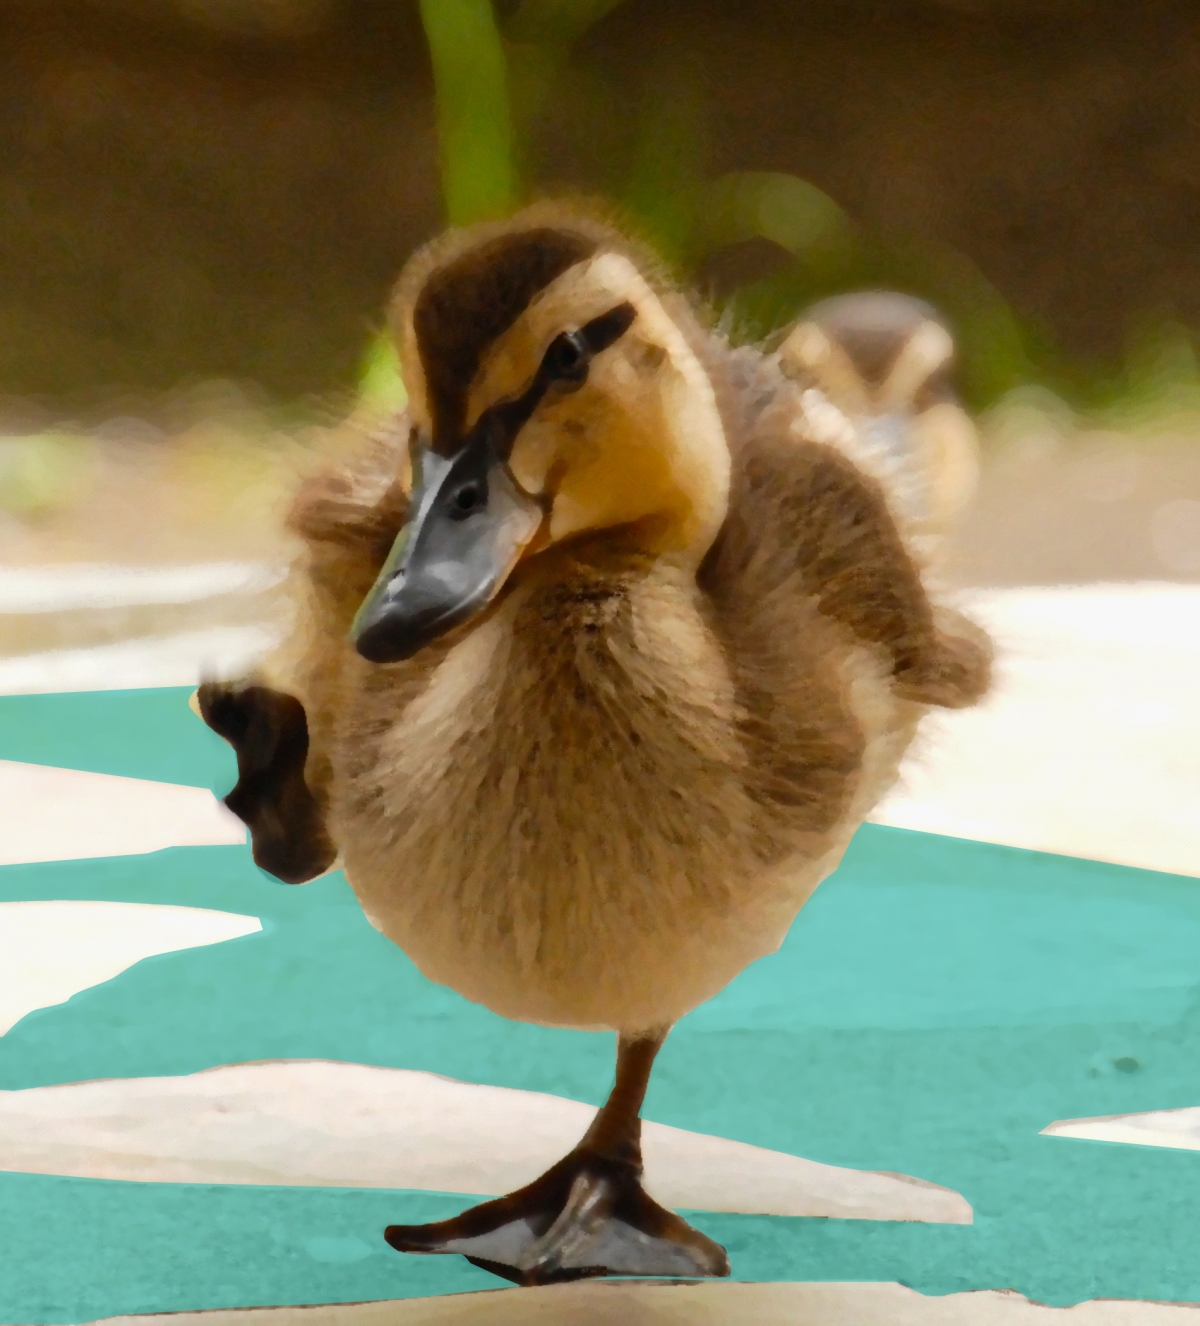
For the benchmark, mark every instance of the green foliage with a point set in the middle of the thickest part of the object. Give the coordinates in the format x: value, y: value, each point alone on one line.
x: 665, y: 178
x: 42, y: 472
x: 558, y: 23
x: 379, y: 384
x: 470, y: 75
x: 513, y: 92
x: 771, y: 205
x: 1159, y: 381
x: 498, y: 87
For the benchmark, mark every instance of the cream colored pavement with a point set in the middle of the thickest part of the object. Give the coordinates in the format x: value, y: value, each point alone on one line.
x: 52, y: 950
x: 718, y: 1303
x: 87, y: 586
x: 49, y: 814
x: 1089, y: 744
x: 223, y: 615
x: 176, y: 660
x: 316, y: 1122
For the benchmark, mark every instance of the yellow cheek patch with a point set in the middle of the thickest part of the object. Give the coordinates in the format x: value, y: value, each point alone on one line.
x: 640, y: 443
x: 615, y: 473
x: 537, y: 456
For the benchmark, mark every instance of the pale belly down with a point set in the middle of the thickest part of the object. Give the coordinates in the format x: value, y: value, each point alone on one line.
x: 620, y: 921
x: 626, y: 966
x: 600, y: 937
x: 586, y: 880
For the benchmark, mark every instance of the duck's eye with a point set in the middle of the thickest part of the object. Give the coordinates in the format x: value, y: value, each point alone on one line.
x: 566, y: 358
x: 470, y: 497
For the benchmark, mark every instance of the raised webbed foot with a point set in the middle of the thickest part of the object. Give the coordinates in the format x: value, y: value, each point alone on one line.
x: 586, y: 1216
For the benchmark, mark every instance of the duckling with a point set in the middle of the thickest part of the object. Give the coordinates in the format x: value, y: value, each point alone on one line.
x: 601, y: 657
x: 886, y: 361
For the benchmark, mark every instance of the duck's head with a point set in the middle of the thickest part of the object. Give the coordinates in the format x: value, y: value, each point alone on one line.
x: 887, y: 361
x: 875, y: 352
x: 554, y: 393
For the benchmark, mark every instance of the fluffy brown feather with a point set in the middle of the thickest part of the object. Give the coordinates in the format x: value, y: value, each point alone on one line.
x: 595, y: 803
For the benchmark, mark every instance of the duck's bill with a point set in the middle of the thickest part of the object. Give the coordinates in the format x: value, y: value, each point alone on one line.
x: 470, y: 522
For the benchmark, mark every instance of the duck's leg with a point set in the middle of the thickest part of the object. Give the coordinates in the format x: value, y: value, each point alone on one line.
x: 586, y: 1216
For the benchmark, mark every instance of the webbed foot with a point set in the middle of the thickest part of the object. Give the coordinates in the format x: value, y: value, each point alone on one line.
x: 586, y: 1216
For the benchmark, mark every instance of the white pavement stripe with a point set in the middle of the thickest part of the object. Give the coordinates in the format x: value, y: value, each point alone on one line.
x: 1176, y: 1129
x: 50, y: 814
x: 314, y: 1122
x: 50, y: 951
x: 67, y: 588
x: 178, y: 660
x: 1090, y: 742
x: 724, y: 1303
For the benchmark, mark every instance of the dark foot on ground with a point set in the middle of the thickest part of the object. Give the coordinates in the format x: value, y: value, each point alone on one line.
x: 587, y: 1216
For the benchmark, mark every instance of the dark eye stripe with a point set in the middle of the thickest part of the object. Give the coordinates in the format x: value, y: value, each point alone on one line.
x: 499, y: 424
x: 587, y: 343
x: 608, y: 328
x: 466, y: 306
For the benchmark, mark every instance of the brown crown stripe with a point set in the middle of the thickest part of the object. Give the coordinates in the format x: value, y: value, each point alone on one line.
x: 471, y: 301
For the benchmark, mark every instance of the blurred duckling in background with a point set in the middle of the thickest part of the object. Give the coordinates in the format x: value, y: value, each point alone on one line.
x: 886, y: 361
x: 602, y: 655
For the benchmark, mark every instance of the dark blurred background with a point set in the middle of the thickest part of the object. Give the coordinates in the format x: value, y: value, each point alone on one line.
x: 227, y: 188
x: 204, y: 204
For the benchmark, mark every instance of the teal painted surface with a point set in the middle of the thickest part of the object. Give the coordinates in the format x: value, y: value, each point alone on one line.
x: 936, y: 1005
x: 139, y: 734
x: 913, y: 1021
x: 76, y: 1249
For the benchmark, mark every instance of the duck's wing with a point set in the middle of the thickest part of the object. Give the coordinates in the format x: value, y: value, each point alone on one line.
x: 806, y: 525
x: 280, y: 720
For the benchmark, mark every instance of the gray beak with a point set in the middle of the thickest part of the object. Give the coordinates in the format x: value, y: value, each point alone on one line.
x: 470, y: 520
x: 469, y: 523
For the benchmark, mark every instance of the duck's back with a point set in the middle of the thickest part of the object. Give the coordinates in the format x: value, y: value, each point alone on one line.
x: 833, y: 642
